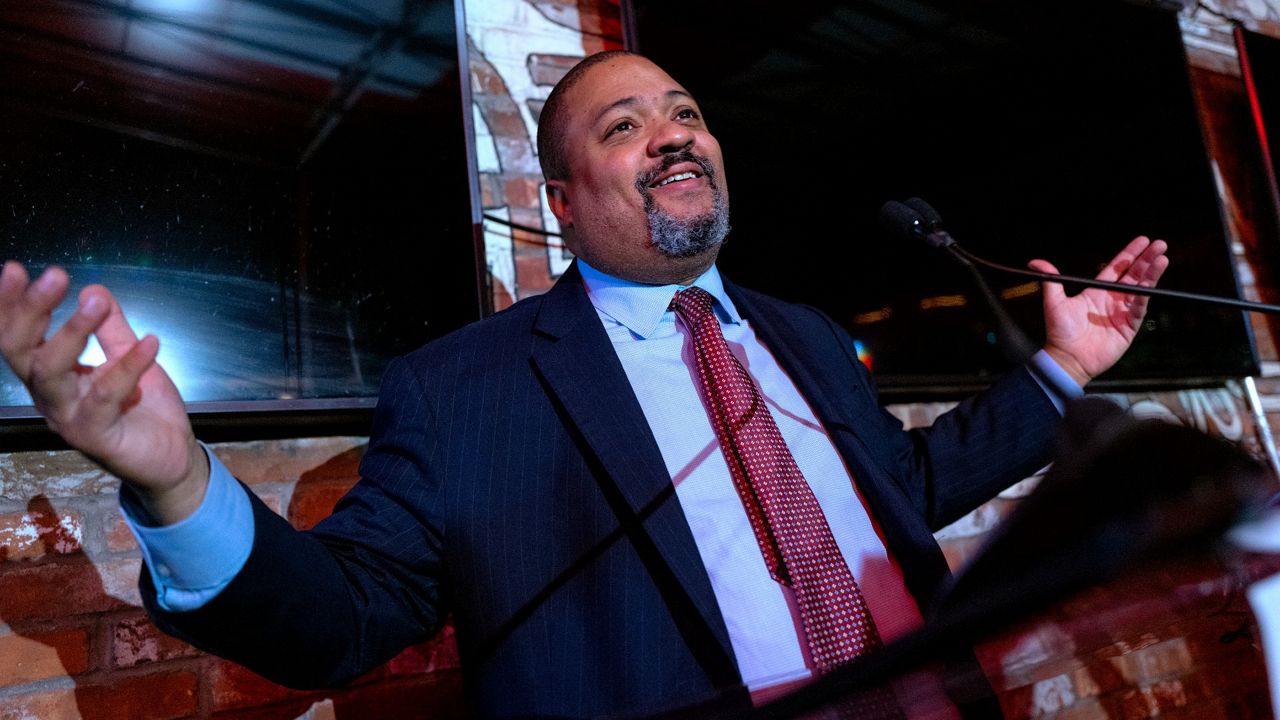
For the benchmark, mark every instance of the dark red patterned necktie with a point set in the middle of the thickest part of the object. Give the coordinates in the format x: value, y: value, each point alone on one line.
x: 790, y: 528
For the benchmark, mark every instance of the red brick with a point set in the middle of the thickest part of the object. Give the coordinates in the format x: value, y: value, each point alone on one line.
x: 29, y: 657
x: 342, y: 466
x: 120, y: 579
x: 501, y: 296
x: 65, y: 589
x: 234, y: 686
x: 1170, y: 658
x: 37, y: 533
x: 314, y: 501
x: 491, y: 196
x: 533, y: 272
x: 523, y: 192
x: 275, y: 461
x: 547, y: 69
x: 485, y: 79
x: 531, y: 216
x: 119, y: 537
x: 147, y: 697
x: 55, y: 474
x: 603, y: 31
x: 506, y: 123
x: 60, y: 704
x: 136, y: 640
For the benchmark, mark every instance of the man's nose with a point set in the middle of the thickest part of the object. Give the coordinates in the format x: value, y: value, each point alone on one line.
x: 670, y: 137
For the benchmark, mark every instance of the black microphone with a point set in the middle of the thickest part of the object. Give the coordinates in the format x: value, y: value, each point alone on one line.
x: 915, y: 220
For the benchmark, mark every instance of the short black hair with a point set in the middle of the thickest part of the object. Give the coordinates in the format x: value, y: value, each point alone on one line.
x: 555, y: 114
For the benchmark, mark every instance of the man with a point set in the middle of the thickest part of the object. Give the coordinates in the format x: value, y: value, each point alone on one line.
x: 555, y: 476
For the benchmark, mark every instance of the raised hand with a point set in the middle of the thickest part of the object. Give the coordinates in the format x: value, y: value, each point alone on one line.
x: 126, y: 413
x: 1087, y: 333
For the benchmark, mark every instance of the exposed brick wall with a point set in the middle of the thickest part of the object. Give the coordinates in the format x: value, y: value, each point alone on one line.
x: 74, y: 641
x: 519, y: 50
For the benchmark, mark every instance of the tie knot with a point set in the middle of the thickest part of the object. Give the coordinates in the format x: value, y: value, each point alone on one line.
x: 693, y: 305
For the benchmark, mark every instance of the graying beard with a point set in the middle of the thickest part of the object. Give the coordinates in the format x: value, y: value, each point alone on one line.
x: 678, y: 238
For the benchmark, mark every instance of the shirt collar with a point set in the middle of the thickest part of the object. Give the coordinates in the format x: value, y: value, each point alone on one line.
x: 641, y: 308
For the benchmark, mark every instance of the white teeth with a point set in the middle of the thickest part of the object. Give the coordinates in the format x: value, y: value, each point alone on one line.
x: 678, y: 176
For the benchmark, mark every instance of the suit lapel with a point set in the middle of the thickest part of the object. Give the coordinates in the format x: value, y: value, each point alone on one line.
x: 832, y: 402
x: 573, y: 354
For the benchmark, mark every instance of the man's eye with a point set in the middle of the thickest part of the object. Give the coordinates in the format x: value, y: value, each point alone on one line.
x: 623, y: 126
x: 687, y: 114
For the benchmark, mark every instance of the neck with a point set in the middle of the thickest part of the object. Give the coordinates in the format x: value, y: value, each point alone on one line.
x: 671, y: 271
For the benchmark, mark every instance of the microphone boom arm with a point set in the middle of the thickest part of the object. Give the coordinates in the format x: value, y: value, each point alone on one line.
x: 959, y: 252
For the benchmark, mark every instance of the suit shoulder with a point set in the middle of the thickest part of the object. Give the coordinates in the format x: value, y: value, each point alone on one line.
x: 794, y: 313
x: 481, y: 341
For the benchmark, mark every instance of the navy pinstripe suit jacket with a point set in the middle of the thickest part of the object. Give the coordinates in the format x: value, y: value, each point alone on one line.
x: 512, y: 480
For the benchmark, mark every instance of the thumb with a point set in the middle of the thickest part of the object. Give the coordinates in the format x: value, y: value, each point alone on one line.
x: 1053, y: 292
x: 115, y: 335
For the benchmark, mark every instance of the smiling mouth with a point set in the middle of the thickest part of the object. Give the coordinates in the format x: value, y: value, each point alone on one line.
x: 688, y: 175
x: 681, y: 166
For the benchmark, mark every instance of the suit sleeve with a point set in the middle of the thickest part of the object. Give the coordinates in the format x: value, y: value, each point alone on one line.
x: 320, y: 608
x: 969, y: 454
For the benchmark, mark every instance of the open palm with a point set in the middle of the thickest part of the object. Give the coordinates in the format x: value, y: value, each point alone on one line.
x: 126, y: 413
x: 1087, y: 333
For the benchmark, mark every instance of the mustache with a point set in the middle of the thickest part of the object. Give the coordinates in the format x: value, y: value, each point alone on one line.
x: 645, y: 179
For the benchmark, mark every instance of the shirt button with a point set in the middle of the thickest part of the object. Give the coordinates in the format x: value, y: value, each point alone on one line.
x: 163, y: 570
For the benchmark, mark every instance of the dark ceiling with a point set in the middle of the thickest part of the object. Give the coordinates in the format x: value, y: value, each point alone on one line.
x: 251, y: 80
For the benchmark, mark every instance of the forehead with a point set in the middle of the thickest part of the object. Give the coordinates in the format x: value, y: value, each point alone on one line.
x: 621, y: 82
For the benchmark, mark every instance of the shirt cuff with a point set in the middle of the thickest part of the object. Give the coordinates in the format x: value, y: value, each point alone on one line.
x: 1056, y: 382
x: 193, y: 560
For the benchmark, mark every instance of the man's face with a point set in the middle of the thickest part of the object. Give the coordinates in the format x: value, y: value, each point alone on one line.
x: 646, y: 194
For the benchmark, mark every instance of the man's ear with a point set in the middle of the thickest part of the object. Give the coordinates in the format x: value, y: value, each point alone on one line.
x: 558, y: 201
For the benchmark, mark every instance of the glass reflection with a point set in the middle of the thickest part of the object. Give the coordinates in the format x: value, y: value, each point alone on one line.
x: 265, y: 184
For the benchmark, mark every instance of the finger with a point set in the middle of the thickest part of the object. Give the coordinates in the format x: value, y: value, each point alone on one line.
x: 115, y: 335
x: 13, y: 282
x: 1150, y: 276
x: 1149, y: 266
x: 118, y: 384
x: 1145, y: 270
x: 28, y: 318
x: 1053, y: 292
x: 60, y: 354
x: 1121, y: 263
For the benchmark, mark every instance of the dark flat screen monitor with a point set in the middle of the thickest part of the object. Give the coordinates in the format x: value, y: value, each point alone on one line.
x: 279, y: 191
x: 1035, y: 129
